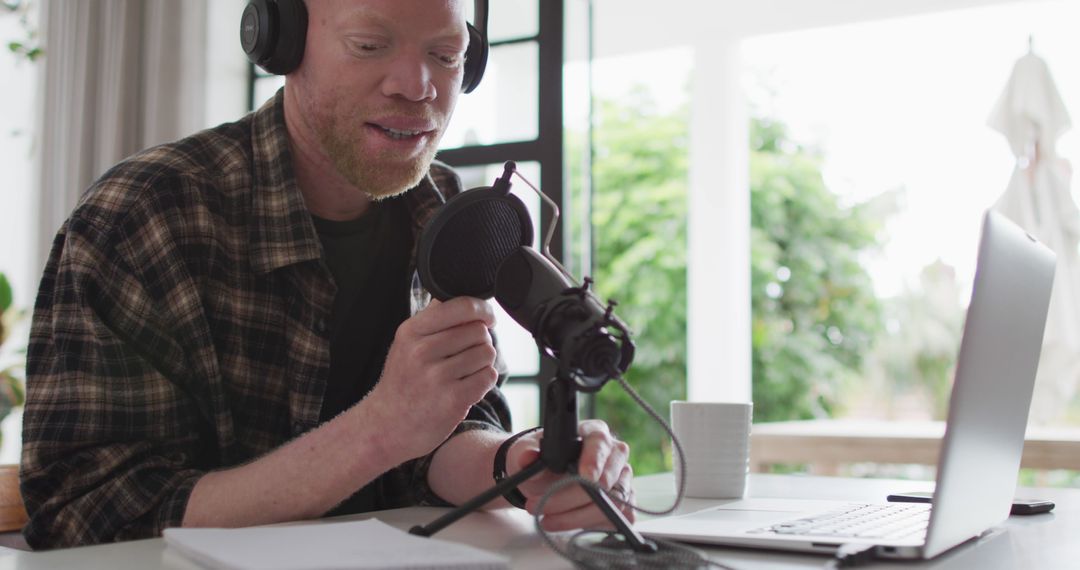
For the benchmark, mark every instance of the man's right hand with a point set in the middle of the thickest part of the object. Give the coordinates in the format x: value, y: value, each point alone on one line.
x: 442, y: 361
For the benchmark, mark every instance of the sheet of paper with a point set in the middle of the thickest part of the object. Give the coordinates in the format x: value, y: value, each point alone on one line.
x: 325, y: 546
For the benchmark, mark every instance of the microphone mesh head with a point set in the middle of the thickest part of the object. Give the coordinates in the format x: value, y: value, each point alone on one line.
x: 471, y: 244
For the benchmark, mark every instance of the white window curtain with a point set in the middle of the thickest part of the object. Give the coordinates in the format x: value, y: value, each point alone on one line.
x: 119, y: 76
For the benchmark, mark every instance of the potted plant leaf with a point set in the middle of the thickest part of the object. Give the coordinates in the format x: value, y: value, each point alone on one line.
x: 12, y: 367
x: 12, y: 395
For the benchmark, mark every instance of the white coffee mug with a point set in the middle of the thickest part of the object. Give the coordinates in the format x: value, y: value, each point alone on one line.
x: 715, y: 437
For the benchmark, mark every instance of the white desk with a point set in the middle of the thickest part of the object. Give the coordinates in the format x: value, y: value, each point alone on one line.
x: 1040, y: 541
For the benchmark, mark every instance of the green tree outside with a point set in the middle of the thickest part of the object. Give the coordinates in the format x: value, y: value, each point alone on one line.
x: 12, y: 393
x: 815, y: 315
x: 814, y: 311
x: 639, y: 210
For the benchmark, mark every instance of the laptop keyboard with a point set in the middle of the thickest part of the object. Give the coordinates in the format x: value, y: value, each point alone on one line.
x: 891, y: 522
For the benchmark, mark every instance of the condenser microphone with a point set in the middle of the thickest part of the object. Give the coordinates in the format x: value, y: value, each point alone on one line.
x: 479, y: 245
x: 568, y: 322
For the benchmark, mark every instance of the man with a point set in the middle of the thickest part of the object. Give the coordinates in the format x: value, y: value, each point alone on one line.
x: 209, y: 345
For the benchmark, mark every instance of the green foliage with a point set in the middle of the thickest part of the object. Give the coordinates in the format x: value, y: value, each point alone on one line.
x: 917, y: 354
x: 28, y: 47
x: 12, y: 393
x: 24, y: 50
x: 5, y: 297
x: 639, y: 212
x: 814, y: 310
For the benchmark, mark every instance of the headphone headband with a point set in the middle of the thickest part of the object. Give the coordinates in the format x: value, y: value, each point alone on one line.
x: 273, y: 34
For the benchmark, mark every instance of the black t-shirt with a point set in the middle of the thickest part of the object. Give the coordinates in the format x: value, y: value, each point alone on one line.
x: 369, y: 259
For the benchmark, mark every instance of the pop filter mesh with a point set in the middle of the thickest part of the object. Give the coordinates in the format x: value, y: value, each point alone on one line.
x: 472, y: 243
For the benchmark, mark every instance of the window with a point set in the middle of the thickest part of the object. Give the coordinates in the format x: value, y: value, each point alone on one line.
x: 16, y: 136
x: 638, y: 154
x: 517, y: 114
x: 16, y: 224
x: 900, y: 127
x: 718, y: 42
x: 896, y: 132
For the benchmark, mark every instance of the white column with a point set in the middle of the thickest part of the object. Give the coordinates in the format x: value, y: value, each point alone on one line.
x: 718, y: 260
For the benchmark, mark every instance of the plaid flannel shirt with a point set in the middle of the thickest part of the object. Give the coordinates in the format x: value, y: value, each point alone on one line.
x: 181, y: 326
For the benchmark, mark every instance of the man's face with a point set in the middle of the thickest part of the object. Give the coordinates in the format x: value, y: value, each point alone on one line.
x: 378, y: 84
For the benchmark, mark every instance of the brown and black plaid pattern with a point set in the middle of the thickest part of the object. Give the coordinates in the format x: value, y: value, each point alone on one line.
x: 181, y: 326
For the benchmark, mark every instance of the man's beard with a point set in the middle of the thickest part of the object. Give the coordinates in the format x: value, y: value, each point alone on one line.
x: 379, y: 175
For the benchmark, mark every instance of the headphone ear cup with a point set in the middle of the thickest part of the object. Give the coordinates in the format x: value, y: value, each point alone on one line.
x: 258, y: 30
x: 273, y: 34
x: 476, y: 55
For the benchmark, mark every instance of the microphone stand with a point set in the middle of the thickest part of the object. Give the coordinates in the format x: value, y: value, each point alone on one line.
x: 560, y: 449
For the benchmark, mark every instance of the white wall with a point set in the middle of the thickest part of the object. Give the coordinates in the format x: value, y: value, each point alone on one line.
x: 16, y: 144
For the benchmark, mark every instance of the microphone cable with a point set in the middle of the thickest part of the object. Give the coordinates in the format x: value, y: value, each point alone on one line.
x: 611, y: 551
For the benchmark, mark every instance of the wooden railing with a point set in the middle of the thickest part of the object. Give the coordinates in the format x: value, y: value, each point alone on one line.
x: 824, y: 445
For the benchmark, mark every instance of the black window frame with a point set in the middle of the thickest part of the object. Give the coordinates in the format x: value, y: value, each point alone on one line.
x: 547, y: 149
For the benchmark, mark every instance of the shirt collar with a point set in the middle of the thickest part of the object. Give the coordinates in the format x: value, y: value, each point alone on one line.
x: 281, y: 231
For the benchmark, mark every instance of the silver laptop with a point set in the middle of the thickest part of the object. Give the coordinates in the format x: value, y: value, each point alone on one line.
x: 984, y: 436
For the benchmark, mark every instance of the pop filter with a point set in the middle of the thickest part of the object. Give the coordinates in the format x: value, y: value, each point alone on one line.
x: 480, y: 245
x: 464, y: 244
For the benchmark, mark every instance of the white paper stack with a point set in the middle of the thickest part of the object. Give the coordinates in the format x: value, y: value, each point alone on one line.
x: 324, y: 546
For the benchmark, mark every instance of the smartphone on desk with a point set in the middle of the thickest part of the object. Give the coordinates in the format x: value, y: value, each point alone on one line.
x: 1019, y: 506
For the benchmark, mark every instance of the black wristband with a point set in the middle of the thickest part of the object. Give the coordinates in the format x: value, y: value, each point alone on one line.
x: 513, y: 496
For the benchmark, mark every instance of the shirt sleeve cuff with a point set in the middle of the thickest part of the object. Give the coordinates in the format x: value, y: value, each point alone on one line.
x: 172, y: 510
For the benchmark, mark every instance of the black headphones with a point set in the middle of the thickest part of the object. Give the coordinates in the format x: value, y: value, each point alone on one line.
x: 273, y: 33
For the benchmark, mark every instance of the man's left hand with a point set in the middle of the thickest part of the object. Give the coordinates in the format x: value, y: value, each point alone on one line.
x: 604, y: 460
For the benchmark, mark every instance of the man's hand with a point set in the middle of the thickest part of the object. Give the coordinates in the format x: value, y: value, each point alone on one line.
x: 442, y: 361
x: 604, y: 460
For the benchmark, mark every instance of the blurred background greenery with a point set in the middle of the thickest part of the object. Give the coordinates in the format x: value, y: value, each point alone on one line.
x: 12, y: 367
x: 822, y: 340
x: 639, y: 258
